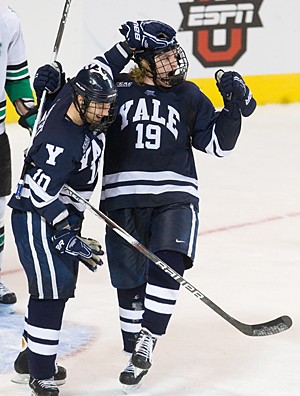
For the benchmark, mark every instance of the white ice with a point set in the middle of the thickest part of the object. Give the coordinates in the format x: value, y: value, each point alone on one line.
x: 248, y: 263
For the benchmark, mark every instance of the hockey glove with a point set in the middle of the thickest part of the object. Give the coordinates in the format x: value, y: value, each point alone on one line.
x: 233, y: 89
x: 49, y: 77
x: 147, y: 34
x: 27, y: 120
x: 87, y: 250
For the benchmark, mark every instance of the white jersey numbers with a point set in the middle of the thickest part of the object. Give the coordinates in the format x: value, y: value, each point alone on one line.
x: 41, y: 179
x: 151, y: 139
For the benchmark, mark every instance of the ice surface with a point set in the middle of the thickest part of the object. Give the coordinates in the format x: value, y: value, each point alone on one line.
x: 248, y: 263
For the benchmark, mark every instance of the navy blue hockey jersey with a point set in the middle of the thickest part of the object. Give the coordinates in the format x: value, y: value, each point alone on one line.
x: 148, y: 159
x: 62, y: 152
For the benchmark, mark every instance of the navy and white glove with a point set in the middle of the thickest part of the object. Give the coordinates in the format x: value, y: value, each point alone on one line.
x: 87, y: 250
x: 233, y: 89
x: 49, y: 77
x: 148, y: 34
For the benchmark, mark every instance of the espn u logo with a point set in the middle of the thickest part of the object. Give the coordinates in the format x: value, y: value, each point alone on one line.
x: 223, y: 20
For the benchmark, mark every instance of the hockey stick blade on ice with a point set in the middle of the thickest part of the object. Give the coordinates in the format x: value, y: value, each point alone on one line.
x: 256, y: 330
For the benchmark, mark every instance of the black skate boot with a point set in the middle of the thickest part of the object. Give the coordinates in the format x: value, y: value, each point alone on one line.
x: 22, y: 371
x: 45, y: 387
x: 6, y: 295
x: 143, y: 350
x: 131, y: 377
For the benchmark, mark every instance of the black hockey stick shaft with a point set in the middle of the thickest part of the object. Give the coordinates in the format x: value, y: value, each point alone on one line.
x: 61, y: 28
x: 262, y: 329
x: 42, y: 101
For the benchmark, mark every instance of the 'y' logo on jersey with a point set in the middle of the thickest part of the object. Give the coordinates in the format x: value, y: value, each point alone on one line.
x: 53, y: 152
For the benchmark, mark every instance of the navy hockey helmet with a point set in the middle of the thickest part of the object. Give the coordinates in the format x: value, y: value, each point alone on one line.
x: 94, y: 84
x: 178, y: 63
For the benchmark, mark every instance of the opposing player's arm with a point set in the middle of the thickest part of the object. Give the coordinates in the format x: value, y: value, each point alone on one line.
x: 17, y: 84
x: 21, y: 96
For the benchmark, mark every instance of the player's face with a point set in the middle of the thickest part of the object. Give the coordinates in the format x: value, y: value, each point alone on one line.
x: 96, y: 111
x: 166, y: 66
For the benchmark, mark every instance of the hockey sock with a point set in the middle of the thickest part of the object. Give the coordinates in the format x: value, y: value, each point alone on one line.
x: 131, y: 309
x: 24, y: 335
x: 161, y: 293
x: 43, y: 327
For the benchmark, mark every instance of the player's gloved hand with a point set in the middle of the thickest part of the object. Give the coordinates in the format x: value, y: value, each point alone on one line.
x: 49, y: 77
x: 148, y: 34
x: 233, y: 88
x: 27, y: 120
x: 87, y: 250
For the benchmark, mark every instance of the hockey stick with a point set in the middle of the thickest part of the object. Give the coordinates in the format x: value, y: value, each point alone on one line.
x: 261, y: 329
x: 42, y: 101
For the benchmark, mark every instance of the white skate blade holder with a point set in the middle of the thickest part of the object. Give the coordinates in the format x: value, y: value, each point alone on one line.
x: 128, y: 389
x: 23, y: 379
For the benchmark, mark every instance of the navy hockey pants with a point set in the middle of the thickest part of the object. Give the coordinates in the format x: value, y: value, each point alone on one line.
x: 50, y: 275
x: 146, y: 294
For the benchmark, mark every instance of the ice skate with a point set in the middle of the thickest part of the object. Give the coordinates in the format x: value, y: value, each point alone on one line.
x: 131, y: 377
x: 22, y: 371
x: 46, y: 387
x: 6, y: 295
x: 143, y: 350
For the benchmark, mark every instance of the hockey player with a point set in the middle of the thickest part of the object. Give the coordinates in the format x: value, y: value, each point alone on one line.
x: 14, y: 81
x: 150, y: 185
x: 47, y: 222
x: 14, y: 77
